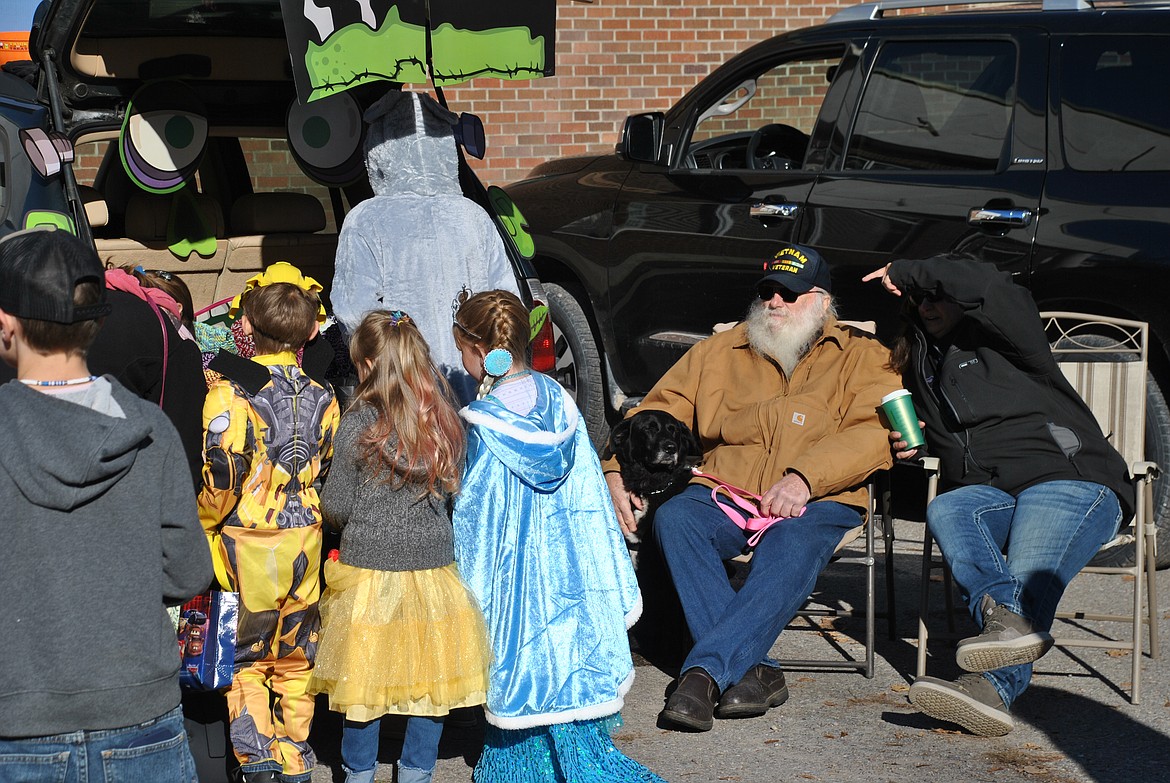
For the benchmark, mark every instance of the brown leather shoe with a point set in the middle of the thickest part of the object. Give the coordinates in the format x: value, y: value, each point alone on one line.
x: 693, y: 702
x: 761, y: 688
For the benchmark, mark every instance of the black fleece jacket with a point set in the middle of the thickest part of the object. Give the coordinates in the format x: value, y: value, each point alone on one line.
x: 997, y: 408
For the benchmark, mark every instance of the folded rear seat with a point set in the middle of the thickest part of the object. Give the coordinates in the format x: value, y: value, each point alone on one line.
x: 145, y: 243
x: 277, y: 226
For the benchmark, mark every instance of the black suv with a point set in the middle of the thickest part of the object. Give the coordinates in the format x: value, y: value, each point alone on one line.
x: 1037, y: 139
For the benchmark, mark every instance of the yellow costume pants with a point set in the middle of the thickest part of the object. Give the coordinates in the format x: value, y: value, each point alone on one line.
x: 277, y: 574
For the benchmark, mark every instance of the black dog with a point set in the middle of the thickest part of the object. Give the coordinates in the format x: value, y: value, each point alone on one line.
x: 655, y: 452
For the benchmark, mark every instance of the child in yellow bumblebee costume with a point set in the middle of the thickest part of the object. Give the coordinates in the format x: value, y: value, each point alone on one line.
x: 268, y: 437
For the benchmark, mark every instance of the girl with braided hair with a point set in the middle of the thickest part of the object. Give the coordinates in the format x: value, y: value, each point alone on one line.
x: 539, y: 544
x: 401, y: 633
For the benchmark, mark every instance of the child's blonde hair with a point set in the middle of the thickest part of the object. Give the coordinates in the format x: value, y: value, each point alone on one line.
x: 413, y: 403
x: 493, y: 319
x: 283, y: 316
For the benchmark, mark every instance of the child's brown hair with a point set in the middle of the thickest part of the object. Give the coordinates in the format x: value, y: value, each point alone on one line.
x: 171, y: 284
x: 283, y: 316
x: 493, y: 319
x: 50, y: 337
x: 413, y: 402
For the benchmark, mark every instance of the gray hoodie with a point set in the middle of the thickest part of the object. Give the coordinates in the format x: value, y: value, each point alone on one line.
x: 100, y: 533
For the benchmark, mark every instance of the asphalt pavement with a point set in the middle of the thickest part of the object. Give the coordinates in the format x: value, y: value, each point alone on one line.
x: 1075, y: 723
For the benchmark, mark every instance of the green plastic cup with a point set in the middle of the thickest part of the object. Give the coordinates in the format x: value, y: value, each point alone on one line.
x: 899, y: 410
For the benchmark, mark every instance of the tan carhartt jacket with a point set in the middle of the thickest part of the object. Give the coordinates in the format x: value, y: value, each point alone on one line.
x: 756, y: 425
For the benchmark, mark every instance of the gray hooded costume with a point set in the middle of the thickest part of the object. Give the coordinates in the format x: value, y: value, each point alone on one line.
x: 418, y: 241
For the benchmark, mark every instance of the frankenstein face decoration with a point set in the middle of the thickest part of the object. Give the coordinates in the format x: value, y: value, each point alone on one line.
x: 338, y: 44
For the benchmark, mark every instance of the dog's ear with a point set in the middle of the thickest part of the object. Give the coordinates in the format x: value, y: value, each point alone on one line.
x: 694, y: 448
x: 617, y: 437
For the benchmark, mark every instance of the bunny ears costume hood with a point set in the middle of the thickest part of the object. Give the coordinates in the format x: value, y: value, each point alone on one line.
x: 418, y: 241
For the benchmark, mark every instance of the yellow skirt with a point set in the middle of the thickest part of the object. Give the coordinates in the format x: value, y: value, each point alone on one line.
x: 399, y: 642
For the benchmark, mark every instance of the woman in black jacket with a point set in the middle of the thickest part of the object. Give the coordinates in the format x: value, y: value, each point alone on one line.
x: 1034, y: 488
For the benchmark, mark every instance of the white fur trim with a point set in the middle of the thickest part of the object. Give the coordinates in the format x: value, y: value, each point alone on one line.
x: 526, y: 436
x: 633, y: 615
x: 593, y: 712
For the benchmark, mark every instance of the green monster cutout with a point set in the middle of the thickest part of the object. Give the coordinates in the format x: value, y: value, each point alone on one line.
x: 331, y: 64
x: 513, y: 221
x: 469, y: 53
x: 342, y: 60
x: 43, y: 217
x: 536, y: 318
x: 187, y: 231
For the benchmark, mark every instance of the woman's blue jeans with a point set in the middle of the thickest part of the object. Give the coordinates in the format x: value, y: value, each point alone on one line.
x: 1022, y: 551
x: 420, y: 746
x: 155, y: 750
x: 733, y: 631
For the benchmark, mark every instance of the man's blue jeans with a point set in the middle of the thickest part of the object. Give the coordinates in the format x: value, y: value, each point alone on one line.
x: 1022, y: 551
x: 155, y: 750
x: 733, y: 631
x: 420, y: 746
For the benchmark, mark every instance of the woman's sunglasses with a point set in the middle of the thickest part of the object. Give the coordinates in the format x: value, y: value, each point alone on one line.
x: 922, y: 297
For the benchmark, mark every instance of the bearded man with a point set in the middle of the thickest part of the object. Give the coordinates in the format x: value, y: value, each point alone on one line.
x: 785, y: 406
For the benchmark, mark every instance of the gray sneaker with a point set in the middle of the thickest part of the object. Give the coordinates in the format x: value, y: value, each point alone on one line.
x: 1007, y: 639
x: 970, y: 701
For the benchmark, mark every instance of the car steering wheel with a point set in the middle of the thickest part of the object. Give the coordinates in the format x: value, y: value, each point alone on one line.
x: 776, y: 147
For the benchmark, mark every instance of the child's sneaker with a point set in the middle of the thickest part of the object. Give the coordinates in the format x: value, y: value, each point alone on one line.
x: 1007, y: 640
x: 970, y: 701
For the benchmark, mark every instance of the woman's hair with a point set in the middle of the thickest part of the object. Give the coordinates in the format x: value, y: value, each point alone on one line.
x: 413, y: 405
x: 282, y: 315
x: 493, y: 319
x: 901, y: 350
x: 171, y: 284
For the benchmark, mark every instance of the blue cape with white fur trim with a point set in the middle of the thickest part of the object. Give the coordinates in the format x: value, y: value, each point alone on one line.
x: 538, y: 543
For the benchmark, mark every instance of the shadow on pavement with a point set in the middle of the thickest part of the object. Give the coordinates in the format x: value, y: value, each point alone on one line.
x: 1109, y: 745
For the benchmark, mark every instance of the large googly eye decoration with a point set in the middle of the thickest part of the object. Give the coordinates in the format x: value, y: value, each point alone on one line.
x: 325, y: 137
x: 163, y: 136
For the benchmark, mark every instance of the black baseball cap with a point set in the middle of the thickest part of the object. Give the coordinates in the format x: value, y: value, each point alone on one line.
x: 39, y: 270
x: 798, y: 268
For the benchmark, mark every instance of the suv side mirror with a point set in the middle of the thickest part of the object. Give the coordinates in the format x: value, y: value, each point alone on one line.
x: 642, y: 137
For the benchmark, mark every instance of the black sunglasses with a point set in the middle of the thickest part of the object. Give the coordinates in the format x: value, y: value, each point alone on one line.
x: 766, y: 292
x: 919, y: 298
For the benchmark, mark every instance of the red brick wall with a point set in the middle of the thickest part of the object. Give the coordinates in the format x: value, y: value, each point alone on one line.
x: 615, y: 58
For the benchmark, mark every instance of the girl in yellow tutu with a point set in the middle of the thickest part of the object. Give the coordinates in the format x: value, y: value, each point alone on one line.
x: 400, y: 632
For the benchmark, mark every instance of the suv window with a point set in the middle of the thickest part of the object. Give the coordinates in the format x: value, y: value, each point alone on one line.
x: 935, y: 105
x: 780, y: 105
x: 1115, y: 103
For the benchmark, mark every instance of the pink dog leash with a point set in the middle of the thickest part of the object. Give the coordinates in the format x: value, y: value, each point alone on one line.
x: 748, y: 502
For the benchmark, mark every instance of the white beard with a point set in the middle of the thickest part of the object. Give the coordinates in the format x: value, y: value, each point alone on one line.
x: 784, y: 341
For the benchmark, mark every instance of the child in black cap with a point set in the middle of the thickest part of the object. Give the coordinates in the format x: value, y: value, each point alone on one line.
x: 101, y: 534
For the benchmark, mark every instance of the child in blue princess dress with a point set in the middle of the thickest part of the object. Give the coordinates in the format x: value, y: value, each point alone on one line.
x: 538, y: 543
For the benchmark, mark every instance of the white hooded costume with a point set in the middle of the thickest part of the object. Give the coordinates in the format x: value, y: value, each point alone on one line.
x: 418, y: 241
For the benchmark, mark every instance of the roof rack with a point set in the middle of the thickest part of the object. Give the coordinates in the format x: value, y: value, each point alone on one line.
x: 877, y: 10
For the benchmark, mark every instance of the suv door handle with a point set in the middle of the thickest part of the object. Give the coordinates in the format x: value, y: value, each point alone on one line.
x: 1000, y: 218
x: 762, y: 211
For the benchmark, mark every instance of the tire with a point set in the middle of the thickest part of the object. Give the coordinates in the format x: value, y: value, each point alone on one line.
x: 578, y: 364
x: 1157, y: 451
